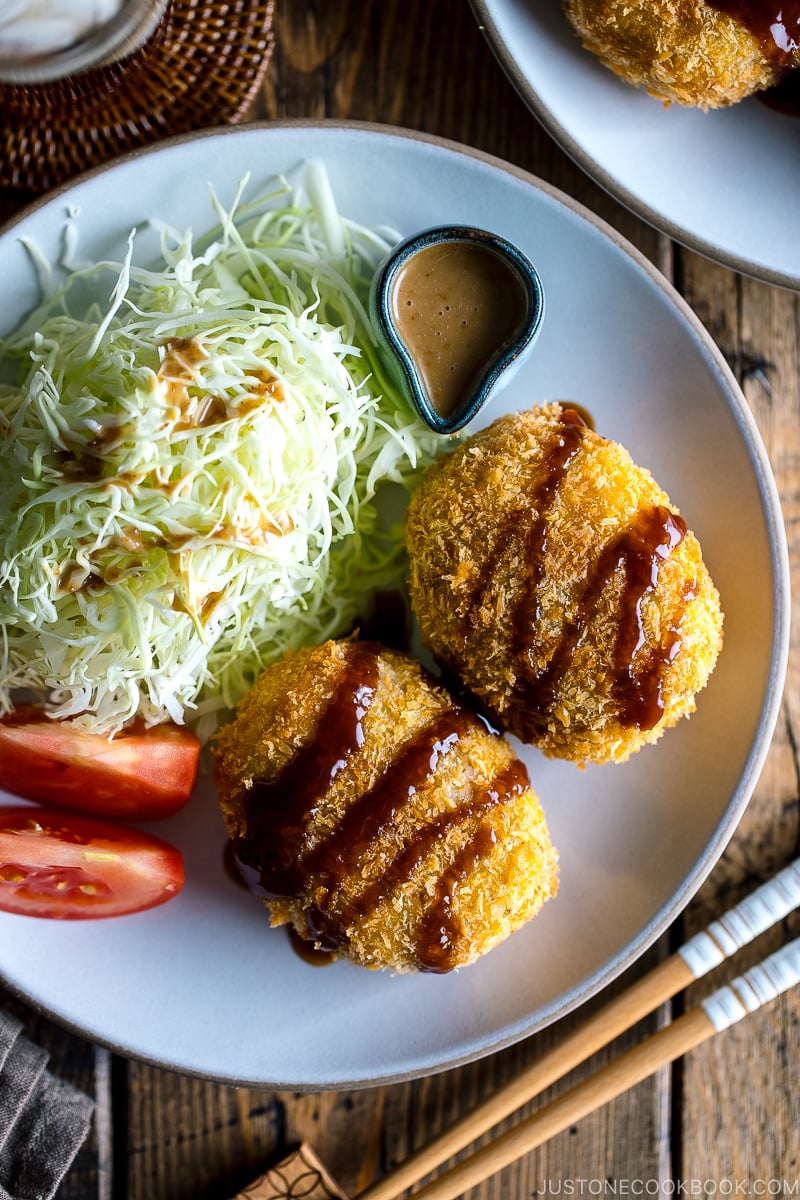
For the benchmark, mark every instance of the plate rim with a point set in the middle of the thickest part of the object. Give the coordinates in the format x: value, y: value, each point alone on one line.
x: 764, y: 479
x: 483, y: 11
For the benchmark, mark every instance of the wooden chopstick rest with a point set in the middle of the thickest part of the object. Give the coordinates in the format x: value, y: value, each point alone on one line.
x: 300, y: 1174
x: 762, y: 983
x: 751, y: 916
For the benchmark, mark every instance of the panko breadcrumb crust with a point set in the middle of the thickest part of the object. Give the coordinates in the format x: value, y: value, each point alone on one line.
x: 681, y: 51
x: 455, y: 523
x: 503, y: 890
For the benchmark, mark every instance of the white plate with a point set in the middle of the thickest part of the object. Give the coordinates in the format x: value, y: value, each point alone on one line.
x: 202, y: 984
x: 724, y: 183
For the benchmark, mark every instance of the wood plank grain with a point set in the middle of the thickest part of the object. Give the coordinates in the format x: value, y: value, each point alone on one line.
x: 187, y: 1137
x: 626, y: 1140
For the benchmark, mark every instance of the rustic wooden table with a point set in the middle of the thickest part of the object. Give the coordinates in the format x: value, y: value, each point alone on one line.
x: 726, y: 1119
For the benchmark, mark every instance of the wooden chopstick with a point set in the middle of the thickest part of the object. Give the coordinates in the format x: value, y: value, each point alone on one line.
x: 756, y: 913
x: 724, y: 1007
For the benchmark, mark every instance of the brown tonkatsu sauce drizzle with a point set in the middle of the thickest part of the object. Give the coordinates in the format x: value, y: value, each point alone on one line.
x: 230, y: 865
x: 523, y: 539
x: 439, y: 925
x: 784, y: 96
x: 640, y: 551
x: 637, y: 551
x: 279, y: 810
x: 775, y: 24
x: 440, y: 931
x: 306, y: 949
x: 272, y: 857
x: 374, y: 814
x: 560, y: 454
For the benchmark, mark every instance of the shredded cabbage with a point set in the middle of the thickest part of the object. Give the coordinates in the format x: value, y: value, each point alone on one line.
x: 190, y: 472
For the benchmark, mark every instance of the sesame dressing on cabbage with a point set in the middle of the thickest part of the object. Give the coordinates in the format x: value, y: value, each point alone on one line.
x: 190, y: 471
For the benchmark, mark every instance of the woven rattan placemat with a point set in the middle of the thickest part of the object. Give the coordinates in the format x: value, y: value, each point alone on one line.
x: 202, y: 67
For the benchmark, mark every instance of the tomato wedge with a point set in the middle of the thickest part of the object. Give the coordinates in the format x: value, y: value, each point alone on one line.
x: 73, y: 868
x: 140, y: 775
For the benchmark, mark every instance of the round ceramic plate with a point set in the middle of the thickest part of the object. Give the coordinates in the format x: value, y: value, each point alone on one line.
x: 202, y: 984
x: 725, y: 183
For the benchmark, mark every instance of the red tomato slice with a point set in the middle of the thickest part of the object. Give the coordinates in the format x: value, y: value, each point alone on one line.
x: 73, y: 868
x: 140, y: 775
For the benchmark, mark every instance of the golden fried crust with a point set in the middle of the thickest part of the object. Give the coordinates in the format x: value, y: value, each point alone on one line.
x: 504, y: 553
x: 445, y: 875
x: 679, y: 50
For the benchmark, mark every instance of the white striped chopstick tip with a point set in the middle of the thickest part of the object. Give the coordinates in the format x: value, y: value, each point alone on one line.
x: 762, y: 983
x: 753, y: 915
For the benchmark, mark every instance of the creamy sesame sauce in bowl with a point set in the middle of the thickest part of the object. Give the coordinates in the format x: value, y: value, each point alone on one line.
x: 455, y: 310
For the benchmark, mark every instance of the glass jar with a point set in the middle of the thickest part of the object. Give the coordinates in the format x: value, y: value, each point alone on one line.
x: 46, y: 40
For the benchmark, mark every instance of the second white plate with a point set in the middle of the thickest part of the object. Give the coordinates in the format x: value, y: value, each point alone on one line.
x: 724, y: 183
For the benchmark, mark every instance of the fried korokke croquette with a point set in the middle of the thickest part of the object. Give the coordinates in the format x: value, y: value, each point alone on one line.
x: 704, y: 55
x: 554, y: 579
x: 376, y: 815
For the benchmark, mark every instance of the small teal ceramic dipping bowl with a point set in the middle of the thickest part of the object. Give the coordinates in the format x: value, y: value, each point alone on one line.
x: 455, y: 310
